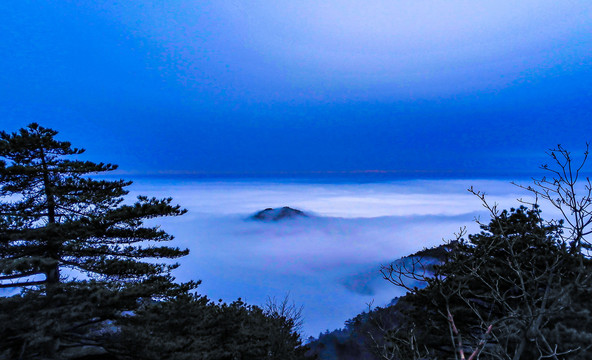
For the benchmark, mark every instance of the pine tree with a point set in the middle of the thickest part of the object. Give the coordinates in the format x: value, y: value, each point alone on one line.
x: 53, y: 216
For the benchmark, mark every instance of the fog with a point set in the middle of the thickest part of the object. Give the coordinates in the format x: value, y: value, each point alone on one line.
x: 328, y: 262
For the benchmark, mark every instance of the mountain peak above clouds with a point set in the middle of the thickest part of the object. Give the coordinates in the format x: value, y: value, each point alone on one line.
x: 278, y: 214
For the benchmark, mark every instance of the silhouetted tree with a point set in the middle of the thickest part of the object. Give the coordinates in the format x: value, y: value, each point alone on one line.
x: 506, y: 293
x: 54, y: 217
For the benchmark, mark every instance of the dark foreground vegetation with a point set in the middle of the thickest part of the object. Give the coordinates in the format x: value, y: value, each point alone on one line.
x: 520, y: 289
x: 126, y: 306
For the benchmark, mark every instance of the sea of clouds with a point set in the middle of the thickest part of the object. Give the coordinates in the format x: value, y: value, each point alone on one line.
x: 329, y: 262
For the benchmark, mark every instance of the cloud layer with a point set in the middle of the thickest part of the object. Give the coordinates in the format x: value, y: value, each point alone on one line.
x: 330, y: 262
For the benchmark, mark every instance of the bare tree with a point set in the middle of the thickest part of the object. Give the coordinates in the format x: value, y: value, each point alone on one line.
x: 570, y: 192
x: 286, y: 309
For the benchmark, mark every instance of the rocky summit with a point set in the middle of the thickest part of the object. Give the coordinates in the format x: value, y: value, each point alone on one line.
x: 277, y: 214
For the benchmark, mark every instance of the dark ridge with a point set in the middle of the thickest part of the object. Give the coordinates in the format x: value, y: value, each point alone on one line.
x: 277, y: 214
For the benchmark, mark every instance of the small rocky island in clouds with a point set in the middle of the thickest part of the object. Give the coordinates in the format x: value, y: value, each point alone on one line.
x: 278, y: 214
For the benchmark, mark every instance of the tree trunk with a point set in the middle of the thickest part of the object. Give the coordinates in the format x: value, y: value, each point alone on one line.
x: 52, y: 273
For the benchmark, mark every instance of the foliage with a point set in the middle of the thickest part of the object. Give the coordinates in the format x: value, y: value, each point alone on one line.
x: 78, y: 315
x: 509, y: 292
x: 193, y: 327
x: 511, y: 276
x: 53, y: 217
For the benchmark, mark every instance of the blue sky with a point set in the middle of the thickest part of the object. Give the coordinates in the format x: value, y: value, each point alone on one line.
x: 469, y: 88
x: 439, y: 88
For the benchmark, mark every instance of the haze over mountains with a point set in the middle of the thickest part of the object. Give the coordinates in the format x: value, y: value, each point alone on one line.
x: 355, y: 228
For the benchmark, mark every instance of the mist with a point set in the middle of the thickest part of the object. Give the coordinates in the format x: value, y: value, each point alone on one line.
x: 328, y: 262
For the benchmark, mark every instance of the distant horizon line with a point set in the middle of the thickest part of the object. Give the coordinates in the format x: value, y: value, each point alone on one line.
x: 302, y: 174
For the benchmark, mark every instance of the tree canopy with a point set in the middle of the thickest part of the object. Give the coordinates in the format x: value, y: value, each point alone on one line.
x: 54, y: 216
x: 57, y: 225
